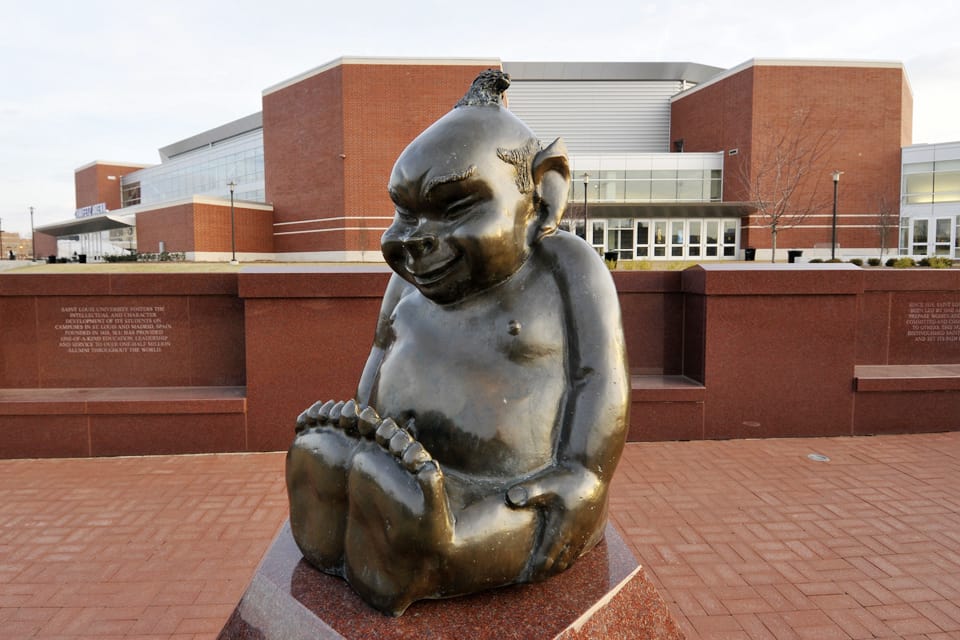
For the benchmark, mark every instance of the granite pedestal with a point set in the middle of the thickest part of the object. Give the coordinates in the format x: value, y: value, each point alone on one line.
x: 605, y: 595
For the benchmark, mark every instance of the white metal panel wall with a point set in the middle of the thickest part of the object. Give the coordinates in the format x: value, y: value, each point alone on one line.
x: 598, y: 116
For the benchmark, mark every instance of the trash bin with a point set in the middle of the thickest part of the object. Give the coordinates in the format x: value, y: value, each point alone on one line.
x: 750, y: 254
x: 793, y: 254
x: 82, y: 258
x: 51, y: 259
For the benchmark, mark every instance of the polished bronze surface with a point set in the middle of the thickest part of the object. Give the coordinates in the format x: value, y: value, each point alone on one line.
x: 493, y: 408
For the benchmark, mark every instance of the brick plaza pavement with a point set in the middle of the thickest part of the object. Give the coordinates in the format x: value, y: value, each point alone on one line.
x: 744, y: 538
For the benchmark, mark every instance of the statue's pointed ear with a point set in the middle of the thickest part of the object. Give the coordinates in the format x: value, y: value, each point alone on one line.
x: 551, y: 177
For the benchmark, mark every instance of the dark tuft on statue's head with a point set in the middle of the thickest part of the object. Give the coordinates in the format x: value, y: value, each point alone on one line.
x: 487, y: 88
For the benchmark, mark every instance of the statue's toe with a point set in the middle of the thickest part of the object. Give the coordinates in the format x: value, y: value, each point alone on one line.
x: 368, y: 422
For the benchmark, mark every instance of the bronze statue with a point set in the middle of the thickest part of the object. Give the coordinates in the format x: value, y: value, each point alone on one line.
x: 493, y: 408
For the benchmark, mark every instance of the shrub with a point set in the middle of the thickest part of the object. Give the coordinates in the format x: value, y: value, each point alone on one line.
x: 833, y: 260
x: 815, y: 260
x: 123, y: 257
x: 940, y: 262
x: 873, y: 262
x: 891, y: 261
x: 924, y: 262
x: 904, y: 263
x: 857, y: 261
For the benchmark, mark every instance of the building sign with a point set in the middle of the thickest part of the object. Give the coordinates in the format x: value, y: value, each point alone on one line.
x: 92, y: 210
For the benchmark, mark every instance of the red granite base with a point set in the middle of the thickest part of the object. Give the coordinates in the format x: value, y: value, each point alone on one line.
x: 605, y: 595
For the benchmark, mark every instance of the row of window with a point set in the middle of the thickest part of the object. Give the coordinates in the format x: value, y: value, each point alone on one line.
x: 203, y: 172
x: 677, y: 239
x: 926, y: 182
x: 657, y: 185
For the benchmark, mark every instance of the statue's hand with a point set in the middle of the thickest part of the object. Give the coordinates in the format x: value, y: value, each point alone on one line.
x: 570, y: 499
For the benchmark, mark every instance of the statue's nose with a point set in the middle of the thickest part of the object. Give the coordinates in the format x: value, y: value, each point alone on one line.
x: 420, y: 245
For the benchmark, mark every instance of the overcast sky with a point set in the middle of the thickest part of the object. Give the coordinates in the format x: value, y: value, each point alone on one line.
x: 103, y: 80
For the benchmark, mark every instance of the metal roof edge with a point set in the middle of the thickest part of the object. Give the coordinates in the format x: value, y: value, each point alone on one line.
x: 364, y: 60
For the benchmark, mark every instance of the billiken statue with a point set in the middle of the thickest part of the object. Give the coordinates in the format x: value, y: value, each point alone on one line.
x: 493, y: 408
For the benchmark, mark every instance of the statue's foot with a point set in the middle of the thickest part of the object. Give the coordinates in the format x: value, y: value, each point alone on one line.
x: 317, y: 470
x: 399, y: 527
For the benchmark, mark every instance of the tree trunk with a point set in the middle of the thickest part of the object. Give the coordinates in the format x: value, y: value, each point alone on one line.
x: 773, y: 252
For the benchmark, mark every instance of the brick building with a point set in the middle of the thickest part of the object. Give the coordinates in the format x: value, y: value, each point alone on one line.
x: 853, y: 117
x: 659, y: 152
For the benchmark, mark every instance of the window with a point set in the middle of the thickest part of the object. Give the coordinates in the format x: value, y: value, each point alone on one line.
x: 676, y: 238
x: 664, y: 186
x: 942, y: 240
x: 690, y: 185
x: 611, y: 186
x: 643, y: 238
x: 206, y: 171
x: 597, y: 232
x: 919, y: 246
x: 904, y: 236
x: 956, y: 239
x: 946, y: 186
x: 716, y: 185
x: 729, y: 238
x: 620, y: 238
x: 646, y: 185
x: 693, y: 238
x: 712, y: 243
x: 660, y: 238
x: 926, y: 182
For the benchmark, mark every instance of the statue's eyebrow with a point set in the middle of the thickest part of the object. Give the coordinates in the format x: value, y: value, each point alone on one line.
x: 437, y: 181
x: 394, y: 195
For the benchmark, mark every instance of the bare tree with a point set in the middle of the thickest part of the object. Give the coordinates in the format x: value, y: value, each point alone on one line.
x: 888, y: 217
x: 781, y: 178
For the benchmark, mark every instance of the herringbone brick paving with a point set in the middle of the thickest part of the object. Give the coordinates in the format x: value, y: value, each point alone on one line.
x: 753, y: 539
x: 153, y: 547
x: 744, y: 538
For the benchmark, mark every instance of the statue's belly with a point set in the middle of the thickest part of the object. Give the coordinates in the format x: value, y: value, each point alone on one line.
x: 487, y: 405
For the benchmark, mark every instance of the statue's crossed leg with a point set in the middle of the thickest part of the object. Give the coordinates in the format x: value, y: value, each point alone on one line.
x: 381, y: 512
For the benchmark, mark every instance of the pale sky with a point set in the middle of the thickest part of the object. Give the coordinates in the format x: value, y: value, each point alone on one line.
x: 115, y: 81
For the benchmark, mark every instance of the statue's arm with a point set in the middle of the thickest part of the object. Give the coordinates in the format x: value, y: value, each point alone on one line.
x: 383, y: 337
x: 572, y: 493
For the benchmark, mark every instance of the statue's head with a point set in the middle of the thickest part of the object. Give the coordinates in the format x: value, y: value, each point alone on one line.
x: 473, y: 194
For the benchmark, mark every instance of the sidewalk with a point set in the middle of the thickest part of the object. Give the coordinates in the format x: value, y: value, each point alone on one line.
x: 744, y: 538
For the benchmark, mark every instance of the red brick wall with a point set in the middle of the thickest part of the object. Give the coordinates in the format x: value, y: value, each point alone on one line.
x: 775, y: 349
x: 302, y: 143
x: 718, y: 118
x: 93, y: 186
x: 384, y: 108
x: 173, y: 225
x: 870, y: 109
x: 330, y: 142
x: 212, y: 231
x: 46, y: 246
x: 204, y: 227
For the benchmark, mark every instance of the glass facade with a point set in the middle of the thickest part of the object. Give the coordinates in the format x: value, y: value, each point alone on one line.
x: 930, y: 201
x: 928, y: 182
x: 657, y: 185
x: 204, y: 171
x: 648, y: 179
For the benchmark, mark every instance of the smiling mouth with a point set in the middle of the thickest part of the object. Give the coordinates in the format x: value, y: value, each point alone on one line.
x: 433, y: 275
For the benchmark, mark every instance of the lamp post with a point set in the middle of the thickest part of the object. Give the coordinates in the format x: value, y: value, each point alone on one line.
x: 233, y: 226
x: 833, y: 240
x: 33, y: 237
x: 586, y: 183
